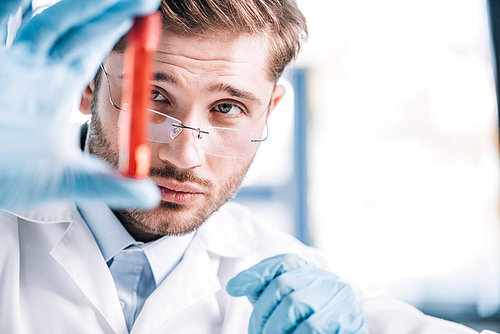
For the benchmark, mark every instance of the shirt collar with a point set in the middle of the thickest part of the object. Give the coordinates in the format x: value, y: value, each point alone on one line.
x: 165, y: 253
x: 109, y: 233
x: 111, y: 237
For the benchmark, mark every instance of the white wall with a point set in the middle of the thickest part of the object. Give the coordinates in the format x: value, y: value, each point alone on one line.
x: 403, y: 149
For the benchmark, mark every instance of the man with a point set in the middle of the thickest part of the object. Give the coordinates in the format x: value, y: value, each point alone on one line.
x: 116, y: 262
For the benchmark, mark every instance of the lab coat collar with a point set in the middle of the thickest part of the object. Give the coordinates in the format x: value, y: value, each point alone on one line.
x: 112, y: 237
x: 54, y: 212
x: 78, y: 254
x: 231, y: 232
x: 198, y: 279
x: 74, y: 249
x: 227, y: 233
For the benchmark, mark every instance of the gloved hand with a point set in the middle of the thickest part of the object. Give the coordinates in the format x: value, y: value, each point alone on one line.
x: 54, y: 55
x: 7, y: 8
x: 290, y: 295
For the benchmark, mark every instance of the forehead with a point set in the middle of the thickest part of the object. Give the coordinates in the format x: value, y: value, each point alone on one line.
x: 211, y: 60
x: 249, y: 50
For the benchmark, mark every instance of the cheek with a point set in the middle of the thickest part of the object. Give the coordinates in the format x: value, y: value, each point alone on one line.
x: 108, y: 114
x: 103, y: 132
x: 111, y: 128
x: 227, y: 172
x: 108, y: 117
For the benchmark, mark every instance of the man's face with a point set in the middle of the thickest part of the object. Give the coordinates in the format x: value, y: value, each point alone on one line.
x: 206, y: 80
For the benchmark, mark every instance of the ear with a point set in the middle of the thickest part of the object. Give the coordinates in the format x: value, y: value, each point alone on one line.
x: 86, y: 102
x: 278, y: 93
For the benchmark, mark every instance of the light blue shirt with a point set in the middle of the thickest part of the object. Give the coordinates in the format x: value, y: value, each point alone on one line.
x: 137, y: 268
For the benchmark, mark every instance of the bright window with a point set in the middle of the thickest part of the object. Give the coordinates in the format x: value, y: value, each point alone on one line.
x: 403, y: 149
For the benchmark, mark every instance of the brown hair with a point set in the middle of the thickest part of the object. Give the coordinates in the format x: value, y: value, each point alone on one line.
x: 279, y: 20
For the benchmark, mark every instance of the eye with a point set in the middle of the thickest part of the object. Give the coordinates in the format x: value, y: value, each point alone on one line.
x: 228, y: 108
x: 157, y: 96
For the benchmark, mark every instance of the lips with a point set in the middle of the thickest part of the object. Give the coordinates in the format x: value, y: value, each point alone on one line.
x: 179, y: 192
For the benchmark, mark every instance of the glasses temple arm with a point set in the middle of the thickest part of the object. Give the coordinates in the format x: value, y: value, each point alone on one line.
x: 109, y: 87
x: 263, y: 139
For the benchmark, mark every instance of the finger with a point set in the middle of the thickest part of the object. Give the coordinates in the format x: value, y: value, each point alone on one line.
x: 116, y: 192
x: 46, y: 29
x: 8, y: 8
x: 341, y: 314
x: 324, y: 323
x: 252, y: 282
x: 93, y: 180
x: 78, y: 46
x: 84, y: 179
x: 291, y: 312
x: 316, y: 324
x: 301, y: 303
x: 278, y: 290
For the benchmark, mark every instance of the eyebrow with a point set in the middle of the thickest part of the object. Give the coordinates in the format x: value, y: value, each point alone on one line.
x: 165, y: 77
x: 226, y: 88
x: 160, y: 76
x: 233, y: 91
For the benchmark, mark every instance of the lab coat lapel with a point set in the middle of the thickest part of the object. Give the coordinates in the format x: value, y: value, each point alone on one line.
x: 78, y: 253
x: 192, y: 280
x: 231, y: 233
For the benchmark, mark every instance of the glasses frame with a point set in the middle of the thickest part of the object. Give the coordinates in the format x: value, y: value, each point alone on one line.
x: 181, y: 126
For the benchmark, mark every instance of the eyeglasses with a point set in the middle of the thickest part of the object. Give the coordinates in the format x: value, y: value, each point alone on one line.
x: 218, y: 141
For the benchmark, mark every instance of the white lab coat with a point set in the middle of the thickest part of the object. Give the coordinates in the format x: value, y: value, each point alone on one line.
x: 54, y: 280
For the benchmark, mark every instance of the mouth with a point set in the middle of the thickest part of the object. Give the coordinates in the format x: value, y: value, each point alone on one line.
x: 179, y: 192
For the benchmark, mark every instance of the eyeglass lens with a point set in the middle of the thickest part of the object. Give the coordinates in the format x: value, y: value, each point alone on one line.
x: 223, y: 142
x: 215, y: 140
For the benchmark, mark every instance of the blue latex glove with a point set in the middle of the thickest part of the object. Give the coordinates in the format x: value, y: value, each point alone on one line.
x: 290, y: 295
x: 53, y: 57
x: 7, y: 8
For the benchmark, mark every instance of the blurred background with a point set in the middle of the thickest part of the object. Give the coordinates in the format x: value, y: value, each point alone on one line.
x: 384, y: 152
x: 389, y: 152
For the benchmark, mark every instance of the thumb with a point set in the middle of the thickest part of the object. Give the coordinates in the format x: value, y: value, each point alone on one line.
x: 253, y: 281
x: 93, y: 180
x: 8, y: 8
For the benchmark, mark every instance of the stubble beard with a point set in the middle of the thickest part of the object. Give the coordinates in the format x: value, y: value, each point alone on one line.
x: 168, y: 218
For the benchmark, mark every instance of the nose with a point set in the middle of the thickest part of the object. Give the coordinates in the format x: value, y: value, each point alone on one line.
x: 183, y: 152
